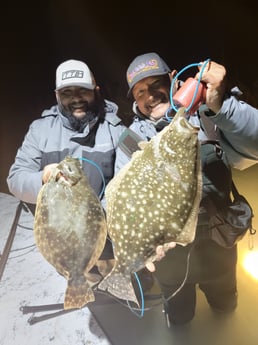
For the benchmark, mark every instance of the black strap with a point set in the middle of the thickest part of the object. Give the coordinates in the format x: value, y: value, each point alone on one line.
x: 212, y: 134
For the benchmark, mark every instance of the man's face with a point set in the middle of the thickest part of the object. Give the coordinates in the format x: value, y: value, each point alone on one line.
x: 76, y: 101
x: 152, y: 96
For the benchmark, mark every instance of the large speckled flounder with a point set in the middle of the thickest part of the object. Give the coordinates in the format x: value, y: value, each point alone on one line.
x: 153, y: 200
x: 70, y: 228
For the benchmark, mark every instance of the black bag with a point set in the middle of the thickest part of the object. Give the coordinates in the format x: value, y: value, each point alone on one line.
x: 231, y: 224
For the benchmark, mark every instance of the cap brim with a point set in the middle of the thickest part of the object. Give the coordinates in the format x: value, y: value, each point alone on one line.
x: 84, y: 85
x: 153, y: 74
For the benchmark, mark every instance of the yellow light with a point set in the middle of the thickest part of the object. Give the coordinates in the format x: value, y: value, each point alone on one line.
x: 251, y: 263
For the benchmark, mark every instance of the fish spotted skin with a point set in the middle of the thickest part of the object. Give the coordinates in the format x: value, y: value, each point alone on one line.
x: 70, y: 229
x: 153, y: 200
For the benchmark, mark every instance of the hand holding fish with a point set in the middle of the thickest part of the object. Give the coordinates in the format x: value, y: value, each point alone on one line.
x: 47, y: 171
x: 161, y: 252
x: 214, y: 76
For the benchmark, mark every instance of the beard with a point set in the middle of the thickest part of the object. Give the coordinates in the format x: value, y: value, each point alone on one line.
x: 93, y: 110
x: 79, y: 124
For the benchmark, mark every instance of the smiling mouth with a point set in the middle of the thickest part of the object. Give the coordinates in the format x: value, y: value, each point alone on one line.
x: 156, y: 105
x: 78, y: 105
x: 81, y: 107
x: 150, y: 107
x: 79, y: 112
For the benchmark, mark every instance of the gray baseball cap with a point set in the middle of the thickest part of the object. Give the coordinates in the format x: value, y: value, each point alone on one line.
x: 144, y: 66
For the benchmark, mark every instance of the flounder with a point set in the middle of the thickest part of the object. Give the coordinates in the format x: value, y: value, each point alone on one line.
x: 153, y: 200
x: 70, y: 228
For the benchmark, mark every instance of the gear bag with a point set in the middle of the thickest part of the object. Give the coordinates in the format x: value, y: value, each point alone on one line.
x: 231, y: 223
x: 229, y: 213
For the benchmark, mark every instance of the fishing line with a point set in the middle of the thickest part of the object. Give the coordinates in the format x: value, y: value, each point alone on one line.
x: 143, y: 308
x: 169, y: 118
x: 125, y: 303
x: 142, y: 298
x: 160, y: 296
x: 186, y: 275
x: 99, y: 170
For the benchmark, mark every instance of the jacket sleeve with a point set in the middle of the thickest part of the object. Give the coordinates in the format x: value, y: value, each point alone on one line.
x: 25, y: 175
x: 238, y: 125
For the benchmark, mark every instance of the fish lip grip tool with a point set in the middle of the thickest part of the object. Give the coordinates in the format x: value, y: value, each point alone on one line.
x: 191, y: 94
x: 183, y: 97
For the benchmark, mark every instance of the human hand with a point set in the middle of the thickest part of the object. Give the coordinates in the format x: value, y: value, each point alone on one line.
x: 160, y: 253
x: 47, y: 171
x: 214, y: 76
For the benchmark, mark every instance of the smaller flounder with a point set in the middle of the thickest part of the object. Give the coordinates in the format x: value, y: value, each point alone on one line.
x: 153, y: 200
x: 70, y: 229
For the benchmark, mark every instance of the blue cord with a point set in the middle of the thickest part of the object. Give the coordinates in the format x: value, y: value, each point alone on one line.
x: 100, y: 171
x: 142, y: 297
x: 195, y: 92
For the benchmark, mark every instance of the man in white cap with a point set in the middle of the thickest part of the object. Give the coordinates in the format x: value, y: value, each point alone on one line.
x: 82, y: 124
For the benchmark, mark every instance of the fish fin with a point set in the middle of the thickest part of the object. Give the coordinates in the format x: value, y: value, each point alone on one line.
x: 77, y: 294
x: 120, y: 286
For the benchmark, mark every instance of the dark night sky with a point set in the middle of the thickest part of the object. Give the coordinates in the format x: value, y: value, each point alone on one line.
x: 36, y: 38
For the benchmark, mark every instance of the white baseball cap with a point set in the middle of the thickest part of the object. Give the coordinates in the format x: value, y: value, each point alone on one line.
x: 74, y: 73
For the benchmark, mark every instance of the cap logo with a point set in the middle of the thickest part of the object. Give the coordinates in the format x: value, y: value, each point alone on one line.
x: 72, y: 74
x: 142, y: 67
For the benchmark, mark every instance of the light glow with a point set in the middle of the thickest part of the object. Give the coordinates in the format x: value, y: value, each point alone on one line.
x: 250, y: 263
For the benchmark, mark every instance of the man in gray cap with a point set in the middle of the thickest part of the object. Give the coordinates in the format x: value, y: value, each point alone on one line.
x: 211, y: 266
x: 150, y: 66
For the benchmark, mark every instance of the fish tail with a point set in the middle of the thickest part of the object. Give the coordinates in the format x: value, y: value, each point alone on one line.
x: 120, y: 286
x: 78, y: 294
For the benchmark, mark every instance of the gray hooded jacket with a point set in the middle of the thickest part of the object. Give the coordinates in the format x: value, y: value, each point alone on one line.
x: 51, y: 138
x: 237, y: 123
